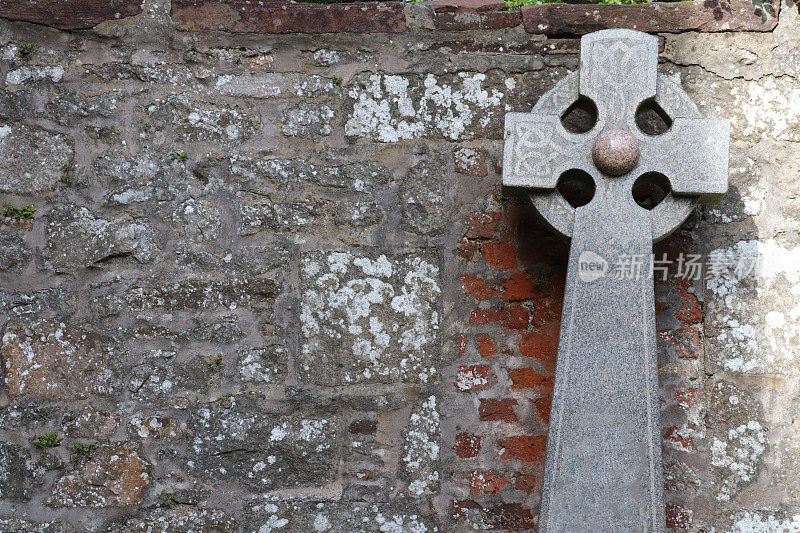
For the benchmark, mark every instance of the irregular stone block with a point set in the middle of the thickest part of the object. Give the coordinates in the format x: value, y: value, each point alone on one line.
x: 200, y: 121
x: 368, y: 319
x: 751, y: 297
x: 401, y: 515
x: 243, y: 444
x: 201, y: 294
x: 738, y: 438
x: 274, y: 85
x: 31, y: 159
x: 115, y: 476
x: 178, y: 521
x: 422, y: 197
x: 420, y: 455
x: 307, y: 120
x: 76, y: 238
x: 390, y: 108
x: 14, y: 253
x: 14, y: 473
x: 19, y: 525
x: 263, y: 365
x: 198, y: 220
x: 50, y: 361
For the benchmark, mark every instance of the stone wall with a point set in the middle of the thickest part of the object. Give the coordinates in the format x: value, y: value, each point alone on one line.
x: 272, y: 282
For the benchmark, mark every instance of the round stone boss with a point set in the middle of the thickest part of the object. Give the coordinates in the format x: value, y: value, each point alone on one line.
x: 615, y: 152
x: 667, y: 215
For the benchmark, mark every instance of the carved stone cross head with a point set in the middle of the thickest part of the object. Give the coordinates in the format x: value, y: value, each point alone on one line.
x: 618, y: 77
x: 603, y: 461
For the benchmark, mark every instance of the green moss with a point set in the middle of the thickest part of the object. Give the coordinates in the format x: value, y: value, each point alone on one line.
x: 26, y: 48
x: 12, y: 211
x: 84, y: 449
x: 337, y: 80
x: 48, y: 440
x: 179, y: 157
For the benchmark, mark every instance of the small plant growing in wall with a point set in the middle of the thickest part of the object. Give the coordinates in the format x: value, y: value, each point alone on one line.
x: 12, y: 211
x: 65, y: 169
x: 337, y: 80
x: 216, y: 362
x: 168, y: 499
x: 26, y: 48
x: 84, y: 449
x: 48, y: 440
x: 179, y: 157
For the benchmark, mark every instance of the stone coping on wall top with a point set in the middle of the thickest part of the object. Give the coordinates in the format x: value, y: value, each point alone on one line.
x: 285, y: 16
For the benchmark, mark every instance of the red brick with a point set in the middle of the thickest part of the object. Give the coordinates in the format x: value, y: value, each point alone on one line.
x: 482, y: 224
x: 512, y: 316
x: 538, y: 345
x: 522, y: 286
x: 245, y: 16
x: 526, y: 483
x: 485, y: 482
x: 678, y: 517
x: 473, y: 285
x: 497, y: 409
x: 687, y: 397
x: 69, y: 14
x: 461, y: 344
x: 690, y: 312
x: 499, y: 255
x: 546, y: 311
x: 543, y: 407
x: 673, y: 435
x: 525, y: 448
x: 467, y: 445
x: 526, y: 378
x: 474, y: 377
x: 485, y: 344
x: 466, y: 249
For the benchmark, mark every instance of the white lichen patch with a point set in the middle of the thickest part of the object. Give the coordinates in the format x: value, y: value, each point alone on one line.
x: 32, y: 74
x: 738, y: 456
x: 768, y: 107
x: 206, y: 122
x: 390, y: 108
x: 763, y: 522
x: 368, y: 319
x: 421, y: 449
x: 273, y: 85
x: 754, y: 306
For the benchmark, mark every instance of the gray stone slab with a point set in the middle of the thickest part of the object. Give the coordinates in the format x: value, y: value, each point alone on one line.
x: 603, y: 465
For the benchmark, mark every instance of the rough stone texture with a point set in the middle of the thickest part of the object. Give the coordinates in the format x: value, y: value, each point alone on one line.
x: 283, y: 17
x: 156, y: 264
x: 563, y: 19
x: 69, y: 14
x: 114, y: 476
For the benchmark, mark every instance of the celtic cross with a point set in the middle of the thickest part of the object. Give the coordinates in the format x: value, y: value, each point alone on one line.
x: 603, y: 461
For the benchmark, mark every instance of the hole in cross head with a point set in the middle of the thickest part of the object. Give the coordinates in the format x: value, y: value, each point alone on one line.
x: 650, y: 189
x: 652, y: 119
x: 576, y: 186
x: 580, y: 117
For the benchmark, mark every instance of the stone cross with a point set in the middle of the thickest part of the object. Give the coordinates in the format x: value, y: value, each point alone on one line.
x: 603, y: 462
